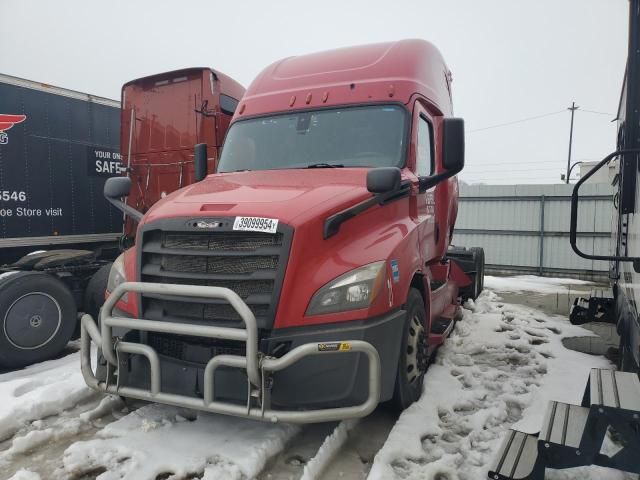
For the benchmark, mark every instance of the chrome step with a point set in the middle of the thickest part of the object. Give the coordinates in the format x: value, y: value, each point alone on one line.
x: 517, y: 458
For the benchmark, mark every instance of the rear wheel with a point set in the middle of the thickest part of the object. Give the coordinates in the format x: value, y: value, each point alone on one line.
x: 476, y: 272
x: 414, y: 355
x: 37, y: 318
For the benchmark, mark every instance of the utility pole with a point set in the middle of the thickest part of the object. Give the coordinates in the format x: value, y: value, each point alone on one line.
x: 573, y: 109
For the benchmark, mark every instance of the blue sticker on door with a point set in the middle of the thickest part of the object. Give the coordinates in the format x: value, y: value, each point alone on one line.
x: 395, y: 271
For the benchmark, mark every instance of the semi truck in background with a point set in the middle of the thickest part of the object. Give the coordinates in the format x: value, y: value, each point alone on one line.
x: 163, y: 117
x: 575, y: 435
x: 310, y: 277
x: 57, y: 148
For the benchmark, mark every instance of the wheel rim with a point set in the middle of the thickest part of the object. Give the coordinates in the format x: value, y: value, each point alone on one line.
x: 32, y: 320
x: 416, y: 350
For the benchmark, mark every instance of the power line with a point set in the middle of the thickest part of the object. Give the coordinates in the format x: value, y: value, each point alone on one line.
x: 528, y: 119
x: 536, y: 117
x: 598, y: 113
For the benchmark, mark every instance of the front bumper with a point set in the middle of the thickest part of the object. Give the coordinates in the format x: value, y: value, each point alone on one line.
x: 260, y: 369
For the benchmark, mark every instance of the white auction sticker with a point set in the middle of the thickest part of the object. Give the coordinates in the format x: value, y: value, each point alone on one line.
x: 256, y: 224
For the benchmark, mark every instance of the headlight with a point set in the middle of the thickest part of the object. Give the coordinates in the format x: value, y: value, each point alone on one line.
x: 351, y: 291
x: 117, y: 276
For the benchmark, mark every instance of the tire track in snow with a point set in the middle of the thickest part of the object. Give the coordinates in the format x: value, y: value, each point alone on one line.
x: 333, y: 450
x: 500, y: 366
x: 160, y: 442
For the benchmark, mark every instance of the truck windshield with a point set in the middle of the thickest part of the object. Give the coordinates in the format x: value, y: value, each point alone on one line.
x: 371, y: 136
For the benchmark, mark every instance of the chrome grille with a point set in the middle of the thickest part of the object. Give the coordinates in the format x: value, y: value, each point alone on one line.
x: 196, y: 264
x: 250, y: 264
x: 192, y: 349
x: 234, y: 241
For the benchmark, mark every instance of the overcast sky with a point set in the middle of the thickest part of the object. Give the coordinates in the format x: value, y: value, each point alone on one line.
x: 511, y: 59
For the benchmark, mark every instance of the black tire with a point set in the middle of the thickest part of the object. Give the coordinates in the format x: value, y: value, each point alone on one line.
x: 38, y: 316
x: 410, y: 374
x: 479, y: 268
x: 96, y: 288
x: 474, y: 290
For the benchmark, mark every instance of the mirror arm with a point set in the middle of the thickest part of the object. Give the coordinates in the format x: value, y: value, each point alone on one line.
x: 126, y: 209
x: 425, y: 183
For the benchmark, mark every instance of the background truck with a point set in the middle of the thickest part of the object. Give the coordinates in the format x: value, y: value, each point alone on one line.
x: 57, y: 148
x: 163, y: 117
x: 308, y: 279
x: 575, y: 435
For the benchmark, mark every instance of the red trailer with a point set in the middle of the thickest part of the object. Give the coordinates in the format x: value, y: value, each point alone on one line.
x: 308, y: 278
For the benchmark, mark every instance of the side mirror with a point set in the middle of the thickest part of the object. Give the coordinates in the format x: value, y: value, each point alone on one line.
x: 383, y: 179
x: 200, y: 161
x: 117, y: 187
x: 453, y: 144
x: 114, y: 189
x: 452, y: 153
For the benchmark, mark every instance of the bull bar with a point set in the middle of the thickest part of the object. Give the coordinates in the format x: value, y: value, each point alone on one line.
x: 254, y: 363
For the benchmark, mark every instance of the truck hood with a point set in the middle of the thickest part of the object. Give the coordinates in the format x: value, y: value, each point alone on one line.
x: 292, y: 196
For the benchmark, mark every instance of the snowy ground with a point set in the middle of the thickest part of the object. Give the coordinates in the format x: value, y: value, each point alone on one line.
x: 534, y: 284
x: 500, y: 366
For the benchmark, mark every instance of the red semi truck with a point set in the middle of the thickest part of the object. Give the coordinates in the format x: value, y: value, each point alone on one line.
x: 308, y: 279
x: 162, y: 117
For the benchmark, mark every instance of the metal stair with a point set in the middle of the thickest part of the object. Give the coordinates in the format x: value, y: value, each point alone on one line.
x: 599, y: 307
x: 573, y: 435
x: 518, y: 458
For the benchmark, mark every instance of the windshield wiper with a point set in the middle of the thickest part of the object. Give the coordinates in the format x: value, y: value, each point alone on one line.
x: 325, y: 165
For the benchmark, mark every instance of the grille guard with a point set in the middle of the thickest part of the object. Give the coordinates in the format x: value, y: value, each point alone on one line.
x: 255, y: 364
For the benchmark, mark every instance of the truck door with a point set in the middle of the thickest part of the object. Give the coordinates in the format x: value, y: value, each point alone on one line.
x: 424, y: 165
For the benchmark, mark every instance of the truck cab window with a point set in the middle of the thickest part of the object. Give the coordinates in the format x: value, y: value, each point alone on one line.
x: 371, y: 136
x: 228, y: 104
x: 424, y: 151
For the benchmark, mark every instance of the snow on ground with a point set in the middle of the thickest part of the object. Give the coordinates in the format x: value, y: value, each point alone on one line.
x: 39, y: 391
x: 25, y: 475
x: 498, y: 369
x: 532, y: 283
x: 331, y: 445
x: 176, y: 443
x: 49, y: 404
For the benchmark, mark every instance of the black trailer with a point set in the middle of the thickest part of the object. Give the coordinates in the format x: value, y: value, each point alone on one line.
x: 57, y: 231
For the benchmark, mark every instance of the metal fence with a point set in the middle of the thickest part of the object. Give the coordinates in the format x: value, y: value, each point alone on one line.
x: 525, y: 228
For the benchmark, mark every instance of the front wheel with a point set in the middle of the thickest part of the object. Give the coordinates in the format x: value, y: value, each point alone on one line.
x: 414, y: 354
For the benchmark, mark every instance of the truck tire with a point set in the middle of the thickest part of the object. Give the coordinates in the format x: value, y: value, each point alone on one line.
x: 96, y: 288
x: 480, y: 260
x: 474, y: 290
x: 37, y: 318
x: 414, y: 355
